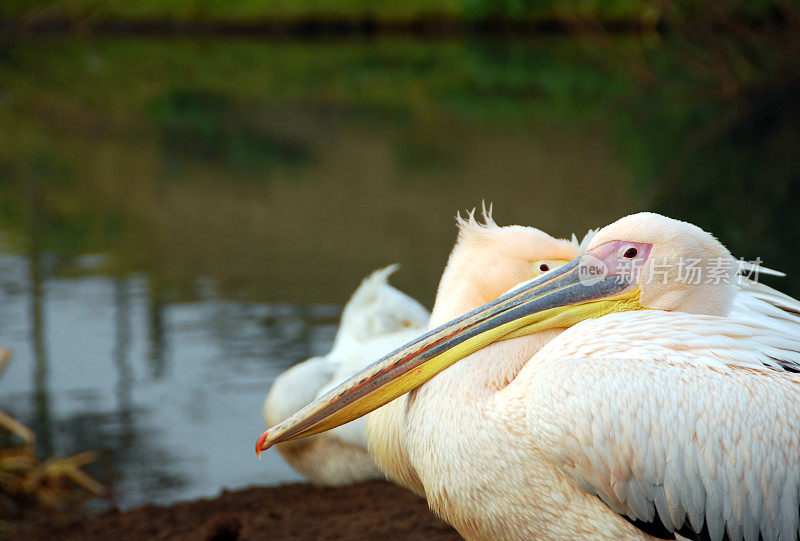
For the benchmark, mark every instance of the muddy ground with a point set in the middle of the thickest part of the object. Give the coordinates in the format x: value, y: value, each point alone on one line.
x: 373, y: 510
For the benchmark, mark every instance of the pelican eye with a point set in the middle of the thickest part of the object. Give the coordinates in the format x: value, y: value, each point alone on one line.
x: 630, y: 253
x: 545, y: 265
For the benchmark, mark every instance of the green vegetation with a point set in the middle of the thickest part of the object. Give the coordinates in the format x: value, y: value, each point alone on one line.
x: 715, y: 129
x: 700, y: 123
x: 572, y: 13
x: 98, y: 127
x: 252, y: 11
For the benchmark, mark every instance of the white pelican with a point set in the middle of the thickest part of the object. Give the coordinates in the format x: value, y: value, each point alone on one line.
x: 486, y: 261
x: 376, y: 319
x: 682, y: 418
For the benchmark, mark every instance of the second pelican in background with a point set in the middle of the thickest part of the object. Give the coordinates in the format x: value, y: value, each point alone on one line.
x: 376, y: 319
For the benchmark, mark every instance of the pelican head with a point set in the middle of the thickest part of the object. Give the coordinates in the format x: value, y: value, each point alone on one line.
x: 632, y: 264
x: 488, y: 260
x: 687, y: 270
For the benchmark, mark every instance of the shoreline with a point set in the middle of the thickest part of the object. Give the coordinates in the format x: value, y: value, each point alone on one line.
x: 370, y: 510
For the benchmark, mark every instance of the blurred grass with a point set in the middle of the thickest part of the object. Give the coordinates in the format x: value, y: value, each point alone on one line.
x: 376, y: 10
x: 699, y: 123
x: 251, y: 13
x: 477, y: 80
x: 181, y: 155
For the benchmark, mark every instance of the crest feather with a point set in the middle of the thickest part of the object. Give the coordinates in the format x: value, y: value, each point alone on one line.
x: 584, y: 243
x: 470, y: 227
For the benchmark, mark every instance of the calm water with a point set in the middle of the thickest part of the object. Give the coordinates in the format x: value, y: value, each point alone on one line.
x: 181, y: 220
x: 168, y: 392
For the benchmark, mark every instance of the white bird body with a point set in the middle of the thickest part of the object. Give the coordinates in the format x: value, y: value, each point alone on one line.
x: 375, y: 320
x: 620, y: 407
x: 558, y: 434
x: 685, y: 415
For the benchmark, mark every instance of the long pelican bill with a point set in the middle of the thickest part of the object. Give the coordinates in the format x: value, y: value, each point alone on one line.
x: 591, y: 285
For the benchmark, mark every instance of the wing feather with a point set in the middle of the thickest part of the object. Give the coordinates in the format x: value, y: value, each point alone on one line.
x: 702, y: 434
x: 759, y: 303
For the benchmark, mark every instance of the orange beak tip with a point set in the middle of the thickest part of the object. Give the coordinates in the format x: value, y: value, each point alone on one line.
x: 260, y: 443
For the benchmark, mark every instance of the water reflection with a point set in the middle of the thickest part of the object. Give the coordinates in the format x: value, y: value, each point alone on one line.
x: 185, y: 433
x: 121, y: 357
x: 37, y: 327
x: 157, y: 352
x: 203, y: 127
x: 308, y: 156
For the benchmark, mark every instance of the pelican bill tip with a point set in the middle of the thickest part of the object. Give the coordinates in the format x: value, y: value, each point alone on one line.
x: 261, y: 443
